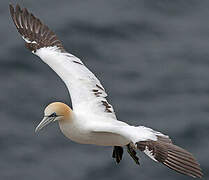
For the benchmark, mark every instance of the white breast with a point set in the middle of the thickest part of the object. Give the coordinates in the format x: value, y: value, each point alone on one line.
x: 78, y: 131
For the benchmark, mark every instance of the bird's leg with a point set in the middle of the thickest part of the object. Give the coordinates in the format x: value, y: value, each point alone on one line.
x: 117, y: 153
x: 132, y: 153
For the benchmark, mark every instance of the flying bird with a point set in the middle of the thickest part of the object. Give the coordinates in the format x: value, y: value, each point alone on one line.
x: 92, y: 119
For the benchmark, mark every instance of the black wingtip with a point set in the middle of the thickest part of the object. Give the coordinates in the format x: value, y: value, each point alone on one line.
x: 18, y: 7
x: 32, y: 29
x: 11, y: 9
x: 10, y: 5
x: 172, y: 156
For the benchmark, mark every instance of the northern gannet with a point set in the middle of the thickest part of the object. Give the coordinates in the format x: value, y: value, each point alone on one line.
x: 92, y: 120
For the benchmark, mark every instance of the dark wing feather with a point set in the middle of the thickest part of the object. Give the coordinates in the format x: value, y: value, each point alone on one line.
x: 172, y: 156
x: 35, y: 33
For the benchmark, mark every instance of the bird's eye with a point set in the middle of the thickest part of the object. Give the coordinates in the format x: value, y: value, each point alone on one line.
x: 53, y: 115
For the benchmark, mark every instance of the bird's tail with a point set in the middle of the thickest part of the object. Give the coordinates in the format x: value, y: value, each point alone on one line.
x: 174, y: 157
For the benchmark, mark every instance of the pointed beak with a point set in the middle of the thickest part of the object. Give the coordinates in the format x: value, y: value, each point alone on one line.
x: 44, y: 122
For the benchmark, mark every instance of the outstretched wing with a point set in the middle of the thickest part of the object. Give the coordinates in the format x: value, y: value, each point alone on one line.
x: 33, y: 31
x: 87, y: 93
x: 174, y: 157
x: 156, y: 145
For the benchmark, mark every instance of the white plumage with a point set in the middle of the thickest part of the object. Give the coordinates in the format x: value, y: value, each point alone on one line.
x: 93, y: 120
x: 80, y: 82
x: 90, y: 117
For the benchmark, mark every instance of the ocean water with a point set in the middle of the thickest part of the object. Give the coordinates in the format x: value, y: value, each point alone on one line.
x: 152, y: 58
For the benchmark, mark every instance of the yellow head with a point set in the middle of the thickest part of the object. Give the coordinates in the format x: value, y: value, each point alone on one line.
x: 56, y: 111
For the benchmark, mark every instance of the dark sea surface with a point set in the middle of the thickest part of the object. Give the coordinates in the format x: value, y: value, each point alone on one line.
x: 151, y: 56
